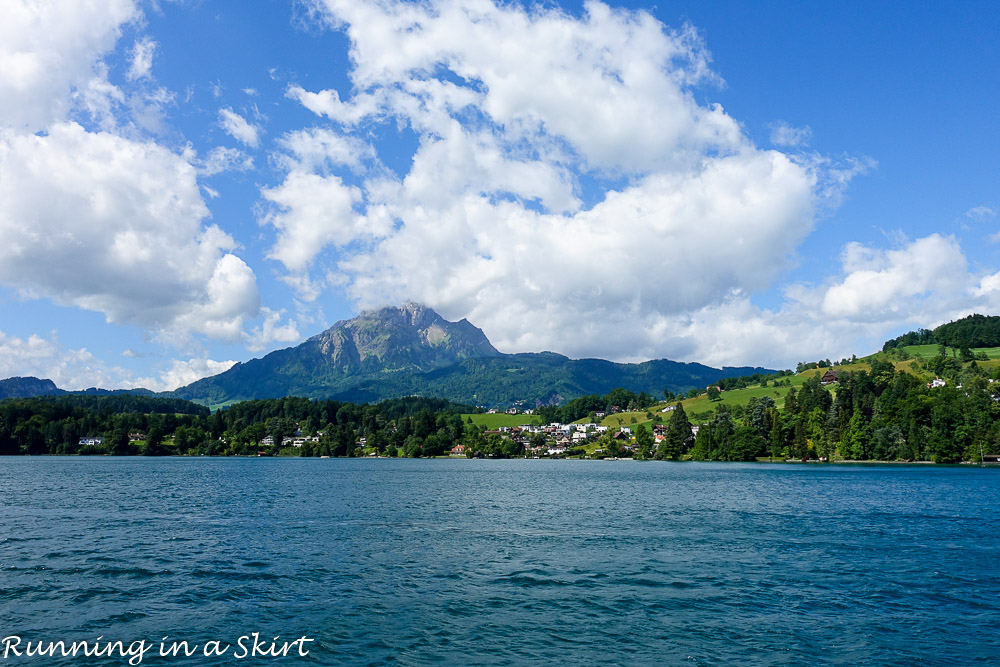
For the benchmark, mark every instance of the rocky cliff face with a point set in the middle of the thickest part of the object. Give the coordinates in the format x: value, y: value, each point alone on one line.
x: 408, y: 337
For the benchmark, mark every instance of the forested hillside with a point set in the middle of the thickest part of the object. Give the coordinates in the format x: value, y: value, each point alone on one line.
x: 966, y: 333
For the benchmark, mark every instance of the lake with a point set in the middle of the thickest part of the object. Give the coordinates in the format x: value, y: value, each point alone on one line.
x: 503, y: 562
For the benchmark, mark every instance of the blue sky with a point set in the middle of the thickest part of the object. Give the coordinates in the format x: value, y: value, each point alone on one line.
x: 187, y: 184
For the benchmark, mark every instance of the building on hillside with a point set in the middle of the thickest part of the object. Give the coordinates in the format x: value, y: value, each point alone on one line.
x: 830, y: 377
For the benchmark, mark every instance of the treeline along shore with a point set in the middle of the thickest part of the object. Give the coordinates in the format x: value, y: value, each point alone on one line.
x: 874, y: 412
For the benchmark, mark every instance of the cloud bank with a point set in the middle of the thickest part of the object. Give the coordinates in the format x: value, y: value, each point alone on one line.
x: 520, y: 115
x: 93, y: 214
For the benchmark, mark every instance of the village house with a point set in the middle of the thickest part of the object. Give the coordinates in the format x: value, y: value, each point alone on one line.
x: 935, y: 383
x: 136, y: 436
x: 299, y: 441
x: 91, y: 440
x: 830, y: 377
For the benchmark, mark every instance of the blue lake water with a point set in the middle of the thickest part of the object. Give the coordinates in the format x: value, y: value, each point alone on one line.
x: 504, y: 562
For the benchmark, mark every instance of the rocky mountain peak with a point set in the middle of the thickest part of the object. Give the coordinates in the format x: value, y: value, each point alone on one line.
x: 402, y: 337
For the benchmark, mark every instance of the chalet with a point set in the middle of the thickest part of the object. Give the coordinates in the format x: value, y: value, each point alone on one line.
x: 91, y: 440
x: 830, y: 377
x: 458, y: 450
x: 511, y: 411
x: 622, y: 435
x: 137, y: 436
x: 298, y: 442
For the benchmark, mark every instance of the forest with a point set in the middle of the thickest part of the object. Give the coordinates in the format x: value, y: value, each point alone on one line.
x: 967, y: 333
x: 878, y: 414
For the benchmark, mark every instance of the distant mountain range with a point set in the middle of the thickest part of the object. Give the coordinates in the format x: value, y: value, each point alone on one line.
x: 29, y: 387
x: 413, y: 351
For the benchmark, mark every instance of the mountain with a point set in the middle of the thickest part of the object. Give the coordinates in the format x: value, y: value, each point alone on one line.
x: 28, y: 387
x: 413, y: 351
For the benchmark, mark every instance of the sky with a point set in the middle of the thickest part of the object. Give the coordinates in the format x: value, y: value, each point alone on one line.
x: 186, y: 184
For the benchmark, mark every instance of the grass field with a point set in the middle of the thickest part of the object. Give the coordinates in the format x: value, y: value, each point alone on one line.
x: 496, y: 421
x: 928, y: 351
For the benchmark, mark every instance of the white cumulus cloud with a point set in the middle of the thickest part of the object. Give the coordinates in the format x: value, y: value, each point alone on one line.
x: 142, y: 59
x: 885, y: 282
x: 70, y: 369
x: 183, y: 372
x: 49, y: 48
x: 239, y: 128
x: 783, y: 134
x: 567, y: 190
x: 116, y: 226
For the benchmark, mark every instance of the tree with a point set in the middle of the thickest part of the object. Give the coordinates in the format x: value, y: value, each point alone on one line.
x: 612, y: 447
x: 643, y: 442
x: 714, y: 394
x: 677, y: 439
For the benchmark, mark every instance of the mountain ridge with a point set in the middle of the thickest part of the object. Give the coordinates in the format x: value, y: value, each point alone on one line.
x: 411, y: 350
